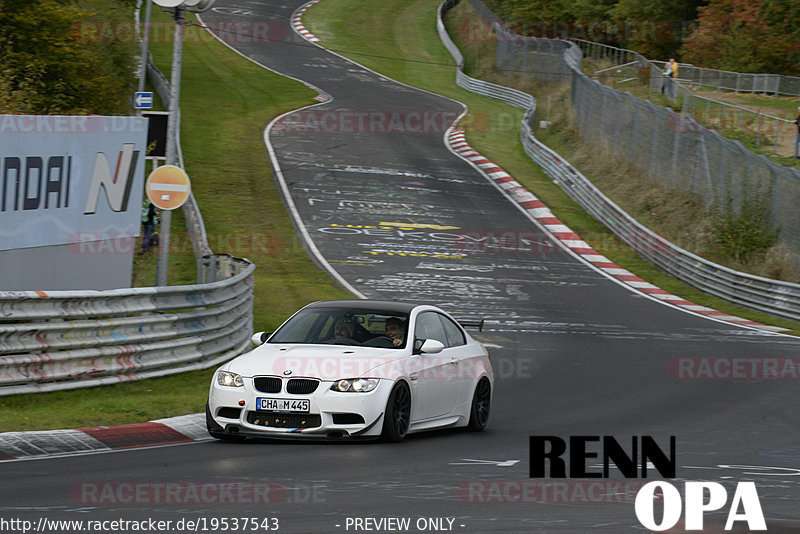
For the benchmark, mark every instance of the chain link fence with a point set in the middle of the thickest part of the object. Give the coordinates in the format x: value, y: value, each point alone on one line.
x: 767, y: 131
x: 671, y: 148
x: 740, y: 82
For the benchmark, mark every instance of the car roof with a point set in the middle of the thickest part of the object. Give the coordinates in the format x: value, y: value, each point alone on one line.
x: 376, y: 305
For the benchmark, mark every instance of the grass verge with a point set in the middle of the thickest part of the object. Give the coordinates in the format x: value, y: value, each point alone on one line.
x: 226, y: 102
x: 410, y: 51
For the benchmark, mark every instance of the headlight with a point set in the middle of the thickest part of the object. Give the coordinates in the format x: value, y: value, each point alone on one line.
x: 224, y: 378
x: 355, y: 385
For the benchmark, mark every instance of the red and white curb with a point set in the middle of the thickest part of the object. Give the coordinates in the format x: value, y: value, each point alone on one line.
x: 542, y: 214
x: 297, y: 22
x: 49, y: 443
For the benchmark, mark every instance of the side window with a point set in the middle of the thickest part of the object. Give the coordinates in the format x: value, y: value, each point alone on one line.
x: 429, y: 326
x: 455, y: 336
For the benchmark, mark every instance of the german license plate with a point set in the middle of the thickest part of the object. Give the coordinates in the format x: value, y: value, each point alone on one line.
x: 283, y: 405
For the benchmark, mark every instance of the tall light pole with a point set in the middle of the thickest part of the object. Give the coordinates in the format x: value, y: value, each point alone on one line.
x: 171, y: 149
x: 180, y: 7
x: 145, y: 44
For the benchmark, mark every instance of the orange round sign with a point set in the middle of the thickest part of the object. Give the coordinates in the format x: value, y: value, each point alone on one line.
x: 168, y: 187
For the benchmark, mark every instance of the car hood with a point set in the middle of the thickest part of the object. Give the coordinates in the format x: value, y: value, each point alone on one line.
x: 327, y: 362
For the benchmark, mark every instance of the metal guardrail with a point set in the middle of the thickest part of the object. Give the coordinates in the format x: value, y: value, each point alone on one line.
x: 771, y: 296
x: 53, y: 340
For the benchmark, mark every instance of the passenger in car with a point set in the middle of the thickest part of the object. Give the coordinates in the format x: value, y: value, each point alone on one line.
x: 343, y: 330
x: 396, y: 329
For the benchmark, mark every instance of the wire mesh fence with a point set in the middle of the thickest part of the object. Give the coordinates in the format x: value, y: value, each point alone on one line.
x: 741, y: 82
x: 772, y: 133
x: 670, y: 147
x: 769, y: 132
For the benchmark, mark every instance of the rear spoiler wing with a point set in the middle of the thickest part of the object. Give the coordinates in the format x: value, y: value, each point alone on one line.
x: 473, y: 324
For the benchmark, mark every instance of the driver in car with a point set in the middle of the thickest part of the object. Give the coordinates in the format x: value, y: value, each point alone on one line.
x: 395, y: 329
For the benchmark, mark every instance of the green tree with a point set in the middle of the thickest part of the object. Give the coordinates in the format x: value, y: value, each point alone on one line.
x: 554, y: 18
x: 746, y: 234
x: 664, y: 24
x: 53, y: 63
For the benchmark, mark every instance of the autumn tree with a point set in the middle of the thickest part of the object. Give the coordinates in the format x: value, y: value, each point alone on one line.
x: 746, y: 36
x: 654, y: 28
x: 781, y: 53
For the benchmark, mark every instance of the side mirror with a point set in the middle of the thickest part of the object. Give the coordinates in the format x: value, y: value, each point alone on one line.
x: 431, y: 346
x: 260, y: 337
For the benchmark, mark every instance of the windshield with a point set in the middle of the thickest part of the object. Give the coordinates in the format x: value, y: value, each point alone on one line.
x: 345, y: 326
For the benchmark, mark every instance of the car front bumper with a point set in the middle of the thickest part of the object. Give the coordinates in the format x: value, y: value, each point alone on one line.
x: 331, y: 415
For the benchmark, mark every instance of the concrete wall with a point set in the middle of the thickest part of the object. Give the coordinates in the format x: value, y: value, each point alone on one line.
x: 97, y: 265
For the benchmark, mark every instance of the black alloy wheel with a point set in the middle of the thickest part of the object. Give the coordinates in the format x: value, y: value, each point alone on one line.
x: 481, y: 406
x: 398, y: 413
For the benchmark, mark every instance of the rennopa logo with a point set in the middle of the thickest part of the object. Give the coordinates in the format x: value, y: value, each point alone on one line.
x: 116, y: 186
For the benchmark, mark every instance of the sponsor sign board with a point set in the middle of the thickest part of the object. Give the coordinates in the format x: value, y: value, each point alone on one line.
x: 67, y: 179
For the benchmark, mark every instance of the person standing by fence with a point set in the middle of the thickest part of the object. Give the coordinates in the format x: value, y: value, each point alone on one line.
x: 150, y: 217
x: 797, y: 139
x: 671, y: 72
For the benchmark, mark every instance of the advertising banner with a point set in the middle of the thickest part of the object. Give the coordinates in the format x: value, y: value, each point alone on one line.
x: 70, y: 179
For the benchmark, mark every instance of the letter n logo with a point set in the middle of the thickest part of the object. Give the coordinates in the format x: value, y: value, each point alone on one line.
x: 118, y: 186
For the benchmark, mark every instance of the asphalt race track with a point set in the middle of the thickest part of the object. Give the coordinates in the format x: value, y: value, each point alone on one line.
x: 389, y: 209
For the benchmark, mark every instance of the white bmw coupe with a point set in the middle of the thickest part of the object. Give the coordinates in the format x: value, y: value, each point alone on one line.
x: 354, y: 369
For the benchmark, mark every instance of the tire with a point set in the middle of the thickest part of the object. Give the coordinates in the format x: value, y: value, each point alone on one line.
x: 216, y: 431
x: 481, y: 406
x: 397, y: 416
